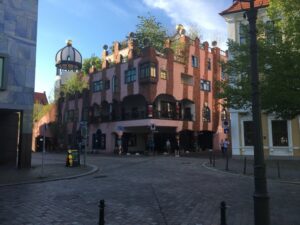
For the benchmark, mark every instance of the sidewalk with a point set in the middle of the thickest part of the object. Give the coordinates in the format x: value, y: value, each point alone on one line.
x: 54, y: 169
x: 282, y: 170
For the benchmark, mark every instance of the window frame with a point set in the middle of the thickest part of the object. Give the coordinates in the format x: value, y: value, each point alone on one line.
x: 131, y: 77
x: 195, y: 61
x: 147, y: 70
x: 203, y: 85
x: 245, y: 130
x: 206, y: 114
x: 163, y: 77
x: 3, y: 72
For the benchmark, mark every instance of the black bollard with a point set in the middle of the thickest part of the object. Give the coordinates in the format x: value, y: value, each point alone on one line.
x: 278, y: 170
x: 223, y: 213
x: 214, y: 160
x: 101, y: 212
x: 245, y: 165
x: 210, y: 156
x: 226, y: 161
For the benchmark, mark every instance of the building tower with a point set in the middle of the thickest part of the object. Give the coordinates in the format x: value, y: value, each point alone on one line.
x: 68, y: 61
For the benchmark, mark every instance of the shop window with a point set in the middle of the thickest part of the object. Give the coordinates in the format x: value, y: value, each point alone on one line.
x: 130, y: 75
x: 248, y: 133
x: 280, y: 133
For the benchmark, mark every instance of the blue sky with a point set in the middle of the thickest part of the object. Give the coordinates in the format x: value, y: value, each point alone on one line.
x: 90, y: 24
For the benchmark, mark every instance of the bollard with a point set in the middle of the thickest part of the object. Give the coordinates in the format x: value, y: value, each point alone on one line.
x: 245, y: 165
x: 223, y: 213
x: 226, y: 161
x: 210, y: 156
x: 214, y: 160
x: 278, y: 169
x: 101, y: 212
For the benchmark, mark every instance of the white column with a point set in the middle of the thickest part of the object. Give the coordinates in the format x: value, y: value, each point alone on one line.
x: 235, y: 133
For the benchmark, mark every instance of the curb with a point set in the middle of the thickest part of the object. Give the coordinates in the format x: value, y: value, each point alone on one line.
x: 93, y: 170
x: 204, y: 164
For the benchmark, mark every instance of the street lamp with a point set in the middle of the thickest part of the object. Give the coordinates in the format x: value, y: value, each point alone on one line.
x: 260, y: 197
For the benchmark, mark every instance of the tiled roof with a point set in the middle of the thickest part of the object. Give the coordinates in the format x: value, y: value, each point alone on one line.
x: 238, y: 6
x: 40, y: 98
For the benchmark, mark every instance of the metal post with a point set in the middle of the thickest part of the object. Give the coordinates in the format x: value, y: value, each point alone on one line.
x: 226, y: 161
x: 223, y: 213
x: 210, y: 156
x: 84, y: 156
x: 214, y: 159
x: 245, y: 165
x: 44, y: 149
x: 261, y: 197
x: 101, y: 212
x: 278, y: 169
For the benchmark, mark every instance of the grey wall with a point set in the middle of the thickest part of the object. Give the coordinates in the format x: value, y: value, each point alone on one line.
x: 18, y: 31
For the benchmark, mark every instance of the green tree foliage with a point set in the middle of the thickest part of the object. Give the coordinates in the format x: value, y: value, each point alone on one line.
x: 89, y: 62
x: 40, y: 110
x: 278, y: 65
x: 152, y: 30
x: 76, y: 83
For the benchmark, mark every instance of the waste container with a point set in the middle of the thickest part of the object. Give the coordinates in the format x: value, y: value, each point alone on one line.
x: 73, y: 158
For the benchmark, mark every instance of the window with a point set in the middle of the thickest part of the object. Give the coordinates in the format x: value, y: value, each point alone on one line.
x: 130, y: 75
x: 209, y: 64
x: 85, y: 114
x: 187, y: 79
x: 3, y: 61
x: 223, y: 76
x: 195, y: 61
x: 163, y: 74
x: 242, y: 33
x: 97, y: 86
x: 248, y: 133
x: 270, y: 32
x: 280, y: 133
x: 71, y: 115
x: 206, y: 114
x: 107, y: 84
x: 205, y: 85
x: 147, y: 70
x: 115, y: 86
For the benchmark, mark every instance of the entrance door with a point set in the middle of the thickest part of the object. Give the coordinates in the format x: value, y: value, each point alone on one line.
x: 8, y: 137
x: 205, y: 139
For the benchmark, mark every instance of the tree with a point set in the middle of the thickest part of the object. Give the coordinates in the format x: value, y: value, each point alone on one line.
x: 152, y: 30
x: 76, y: 83
x: 278, y: 65
x: 89, y: 62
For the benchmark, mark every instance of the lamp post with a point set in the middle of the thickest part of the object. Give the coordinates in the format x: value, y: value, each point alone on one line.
x: 260, y: 197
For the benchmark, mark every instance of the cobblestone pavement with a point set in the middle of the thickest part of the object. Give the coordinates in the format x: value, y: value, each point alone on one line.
x: 161, y: 190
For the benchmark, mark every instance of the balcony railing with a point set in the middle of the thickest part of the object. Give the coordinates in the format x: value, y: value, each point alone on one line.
x: 136, y: 115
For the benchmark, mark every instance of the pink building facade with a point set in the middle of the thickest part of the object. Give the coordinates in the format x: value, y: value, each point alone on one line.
x: 143, y: 98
